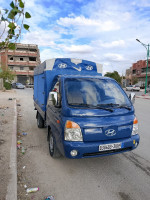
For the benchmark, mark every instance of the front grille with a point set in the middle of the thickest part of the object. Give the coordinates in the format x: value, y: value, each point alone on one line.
x: 106, y: 152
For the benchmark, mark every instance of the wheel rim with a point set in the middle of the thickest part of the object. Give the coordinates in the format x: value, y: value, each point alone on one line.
x: 51, y: 144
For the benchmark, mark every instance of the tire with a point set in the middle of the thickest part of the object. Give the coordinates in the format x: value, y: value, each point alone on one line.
x: 53, y: 150
x: 40, y: 121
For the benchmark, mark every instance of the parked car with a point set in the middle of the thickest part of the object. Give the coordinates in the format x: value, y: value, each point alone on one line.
x: 129, y: 88
x: 136, y: 88
x: 133, y: 88
x: 30, y: 86
x: 18, y: 85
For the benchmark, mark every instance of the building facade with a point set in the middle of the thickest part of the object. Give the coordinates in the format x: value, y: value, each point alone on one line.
x: 129, y: 76
x: 21, y: 61
x: 138, y: 71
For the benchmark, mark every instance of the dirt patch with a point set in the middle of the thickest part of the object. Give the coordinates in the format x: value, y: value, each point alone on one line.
x: 124, y: 196
x: 6, y: 124
x: 23, y: 163
x: 2, y: 141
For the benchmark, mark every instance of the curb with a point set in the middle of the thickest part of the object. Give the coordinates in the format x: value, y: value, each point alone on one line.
x: 143, y: 97
x: 12, y: 185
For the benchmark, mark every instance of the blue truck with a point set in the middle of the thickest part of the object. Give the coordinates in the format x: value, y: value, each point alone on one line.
x: 86, y: 114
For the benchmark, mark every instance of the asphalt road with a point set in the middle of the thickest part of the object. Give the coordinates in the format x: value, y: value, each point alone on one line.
x: 118, y: 177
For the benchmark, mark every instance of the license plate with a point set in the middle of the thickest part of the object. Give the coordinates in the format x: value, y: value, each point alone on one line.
x: 106, y: 147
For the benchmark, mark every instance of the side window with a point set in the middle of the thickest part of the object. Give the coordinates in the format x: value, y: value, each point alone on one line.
x: 56, y: 87
x: 53, y: 95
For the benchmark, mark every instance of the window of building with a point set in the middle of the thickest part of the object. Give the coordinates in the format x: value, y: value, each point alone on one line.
x: 134, y: 71
x: 21, y: 68
x: 33, y: 50
x: 31, y: 68
x: 21, y: 59
x: 138, y: 72
x: 21, y: 49
x: 11, y: 58
x: 11, y: 68
x: 32, y: 58
x: 143, y: 70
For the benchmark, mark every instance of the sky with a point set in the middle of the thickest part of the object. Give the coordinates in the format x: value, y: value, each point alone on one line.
x: 103, y: 31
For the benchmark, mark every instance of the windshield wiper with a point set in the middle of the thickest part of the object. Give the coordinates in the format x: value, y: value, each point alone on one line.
x: 91, y: 106
x: 108, y: 104
x: 100, y: 107
x: 117, y: 105
x: 123, y: 106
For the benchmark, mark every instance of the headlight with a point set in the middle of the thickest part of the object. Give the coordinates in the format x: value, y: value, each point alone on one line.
x: 72, y: 132
x: 135, y: 127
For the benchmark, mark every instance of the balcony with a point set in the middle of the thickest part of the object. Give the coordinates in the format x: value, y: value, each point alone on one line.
x: 143, y: 74
x: 22, y: 53
x: 23, y: 63
x: 24, y: 72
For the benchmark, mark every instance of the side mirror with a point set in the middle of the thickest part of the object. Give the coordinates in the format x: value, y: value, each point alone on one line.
x: 55, y: 99
x: 132, y: 97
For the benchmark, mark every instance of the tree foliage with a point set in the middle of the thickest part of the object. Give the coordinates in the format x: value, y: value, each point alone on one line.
x: 7, y: 76
x: 115, y: 75
x: 13, y: 20
x: 134, y: 80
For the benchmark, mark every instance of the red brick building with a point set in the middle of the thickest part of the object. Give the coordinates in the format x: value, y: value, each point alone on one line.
x: 138, y: 70
x: 21, y: 61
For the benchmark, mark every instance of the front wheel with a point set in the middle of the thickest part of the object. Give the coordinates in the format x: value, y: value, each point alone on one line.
x: 54, y: 152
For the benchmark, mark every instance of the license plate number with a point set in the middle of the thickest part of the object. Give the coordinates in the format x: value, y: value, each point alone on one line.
x: 106, y: 147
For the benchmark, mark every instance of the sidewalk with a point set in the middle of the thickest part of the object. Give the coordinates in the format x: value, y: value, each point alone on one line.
x: 8, y: 157
x: 144, y: 96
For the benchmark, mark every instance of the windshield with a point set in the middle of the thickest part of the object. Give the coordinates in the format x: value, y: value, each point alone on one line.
x: 94, y: 92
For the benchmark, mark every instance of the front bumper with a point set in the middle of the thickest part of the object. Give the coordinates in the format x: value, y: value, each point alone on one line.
x: 91, y: 149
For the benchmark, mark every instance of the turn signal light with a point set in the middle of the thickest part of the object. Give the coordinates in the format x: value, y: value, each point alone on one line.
x: 135, y: 127
x: 70, y: 124
x: 135, y: 121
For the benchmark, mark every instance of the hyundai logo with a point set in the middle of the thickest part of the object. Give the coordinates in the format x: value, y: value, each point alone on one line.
x: 62, y: 65
x: 89, y: 67
x: 110, y: 132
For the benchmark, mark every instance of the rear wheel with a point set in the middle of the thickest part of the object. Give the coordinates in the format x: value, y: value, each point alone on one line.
x: 40, y: 121
x: 54, y: 152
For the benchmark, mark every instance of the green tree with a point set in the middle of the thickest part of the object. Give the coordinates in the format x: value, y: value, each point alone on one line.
x: 134, y: 80
x: 7, y: 77
x: 115, y: 75
x: 13, y: 21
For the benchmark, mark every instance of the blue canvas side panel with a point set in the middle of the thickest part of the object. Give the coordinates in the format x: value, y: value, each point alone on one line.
x: 41, y: 91
x: 35, y: 97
